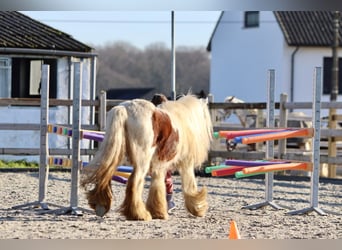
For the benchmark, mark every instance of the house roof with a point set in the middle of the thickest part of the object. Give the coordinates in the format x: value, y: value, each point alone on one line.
x: 307, y: 28
x: 213, y: 33
x: 22, y: 32
x: 303, y: 28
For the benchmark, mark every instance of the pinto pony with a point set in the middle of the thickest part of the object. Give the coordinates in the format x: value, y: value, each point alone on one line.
x: 176, y: 135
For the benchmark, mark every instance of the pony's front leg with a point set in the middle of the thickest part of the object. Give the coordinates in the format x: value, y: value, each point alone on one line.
x: 133, y: 207
x: 156, y: 201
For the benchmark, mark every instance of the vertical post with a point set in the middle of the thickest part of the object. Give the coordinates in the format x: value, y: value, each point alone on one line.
x: 270, y: 124
x: 269, y: 144
x: 334, y: 93
x: 76, y: 127
x: 70, y: 94
x: 103, y: 110
x: 316, y: 121
x: 44, y: 120
x: 282, y: 124
x: 173, y: 57
x: 259, y: 123
x: 316, y: 116
x: 92, y: 96
x: 93, y: 88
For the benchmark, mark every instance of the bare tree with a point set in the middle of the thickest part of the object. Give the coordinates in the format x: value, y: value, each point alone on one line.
x: 122, y: 65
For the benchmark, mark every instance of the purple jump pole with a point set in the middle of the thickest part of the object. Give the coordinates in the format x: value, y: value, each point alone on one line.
x: 92, y: 136
x: 119, y: 179
x: 252, y: 163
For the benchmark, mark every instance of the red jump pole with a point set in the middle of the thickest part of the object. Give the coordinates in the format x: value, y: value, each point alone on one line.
x: 226, y: 171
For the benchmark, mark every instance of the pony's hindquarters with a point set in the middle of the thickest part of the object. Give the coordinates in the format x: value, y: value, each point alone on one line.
x: 98, y: 174
x: 140, y: 149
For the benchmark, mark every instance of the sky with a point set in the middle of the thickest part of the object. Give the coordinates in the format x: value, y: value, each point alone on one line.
x: 139, y: 28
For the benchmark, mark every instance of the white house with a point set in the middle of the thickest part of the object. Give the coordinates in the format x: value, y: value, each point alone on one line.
x: 245, y: 45
x: 26, y: 44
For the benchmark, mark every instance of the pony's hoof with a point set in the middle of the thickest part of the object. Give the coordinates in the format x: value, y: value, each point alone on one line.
x: 161, y: 216
x: 100, y: 210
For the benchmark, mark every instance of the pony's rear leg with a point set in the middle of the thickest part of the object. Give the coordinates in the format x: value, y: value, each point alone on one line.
x: 156, y: 201
x: 133, y: 207
x: 195, y: 201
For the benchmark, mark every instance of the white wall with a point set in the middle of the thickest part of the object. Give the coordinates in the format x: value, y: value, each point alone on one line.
x: 240, y: 59
x: 57, y: 115
x: 242, y: 56
x: 306, y: 59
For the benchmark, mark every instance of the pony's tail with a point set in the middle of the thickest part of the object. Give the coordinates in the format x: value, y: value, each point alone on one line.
x: 99, y: 172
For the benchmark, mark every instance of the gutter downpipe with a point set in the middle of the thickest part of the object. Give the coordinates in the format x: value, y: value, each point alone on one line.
x: 292, y: 75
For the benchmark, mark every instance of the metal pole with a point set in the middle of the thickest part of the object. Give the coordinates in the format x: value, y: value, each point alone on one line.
x: 270, y: 145
x: 270, y: 124
x: 334, y: 93
x: 76, y: 127
x: 334, y: 70
x: 316, y: 116
x: 44, y: 120
x: 173, y: 58
x: 92, y: 96
x: 316, y: 120
x: 103, y: 110
x: 282, y: 124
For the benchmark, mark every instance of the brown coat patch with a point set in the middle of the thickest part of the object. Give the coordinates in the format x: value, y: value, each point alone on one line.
x: 165, y: 137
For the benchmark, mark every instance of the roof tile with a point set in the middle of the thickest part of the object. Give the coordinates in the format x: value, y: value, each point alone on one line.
x: 308, y: 28
x: 20, y: 31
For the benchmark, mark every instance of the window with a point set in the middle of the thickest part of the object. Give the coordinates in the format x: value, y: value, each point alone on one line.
x: 35, y: 77
x: 26, y: 77
x: 251, y: 19
x: 5, y: 77
x: 327, y: 67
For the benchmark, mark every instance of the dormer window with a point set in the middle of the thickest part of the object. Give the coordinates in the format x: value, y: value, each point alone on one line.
x: 251, y: 19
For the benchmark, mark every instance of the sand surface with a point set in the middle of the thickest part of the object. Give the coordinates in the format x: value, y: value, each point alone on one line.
x: 226, y: 197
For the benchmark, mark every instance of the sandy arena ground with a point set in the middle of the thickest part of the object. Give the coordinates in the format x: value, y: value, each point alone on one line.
x: 226, y: 197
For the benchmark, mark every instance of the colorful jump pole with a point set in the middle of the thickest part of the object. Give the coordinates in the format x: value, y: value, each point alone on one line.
x: 122, y: 174
x: 232, y: 134
x: 208, y: 170
x: 90, y: 135
x: 126, y: 169
x: 120, y: 179
x: 229, y: 170
x: 85, y: 134
x: 240, y: 174
x: 306, y: 132
x: 57, y: 161
x: 252, y: 163
x: 278, y: 167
